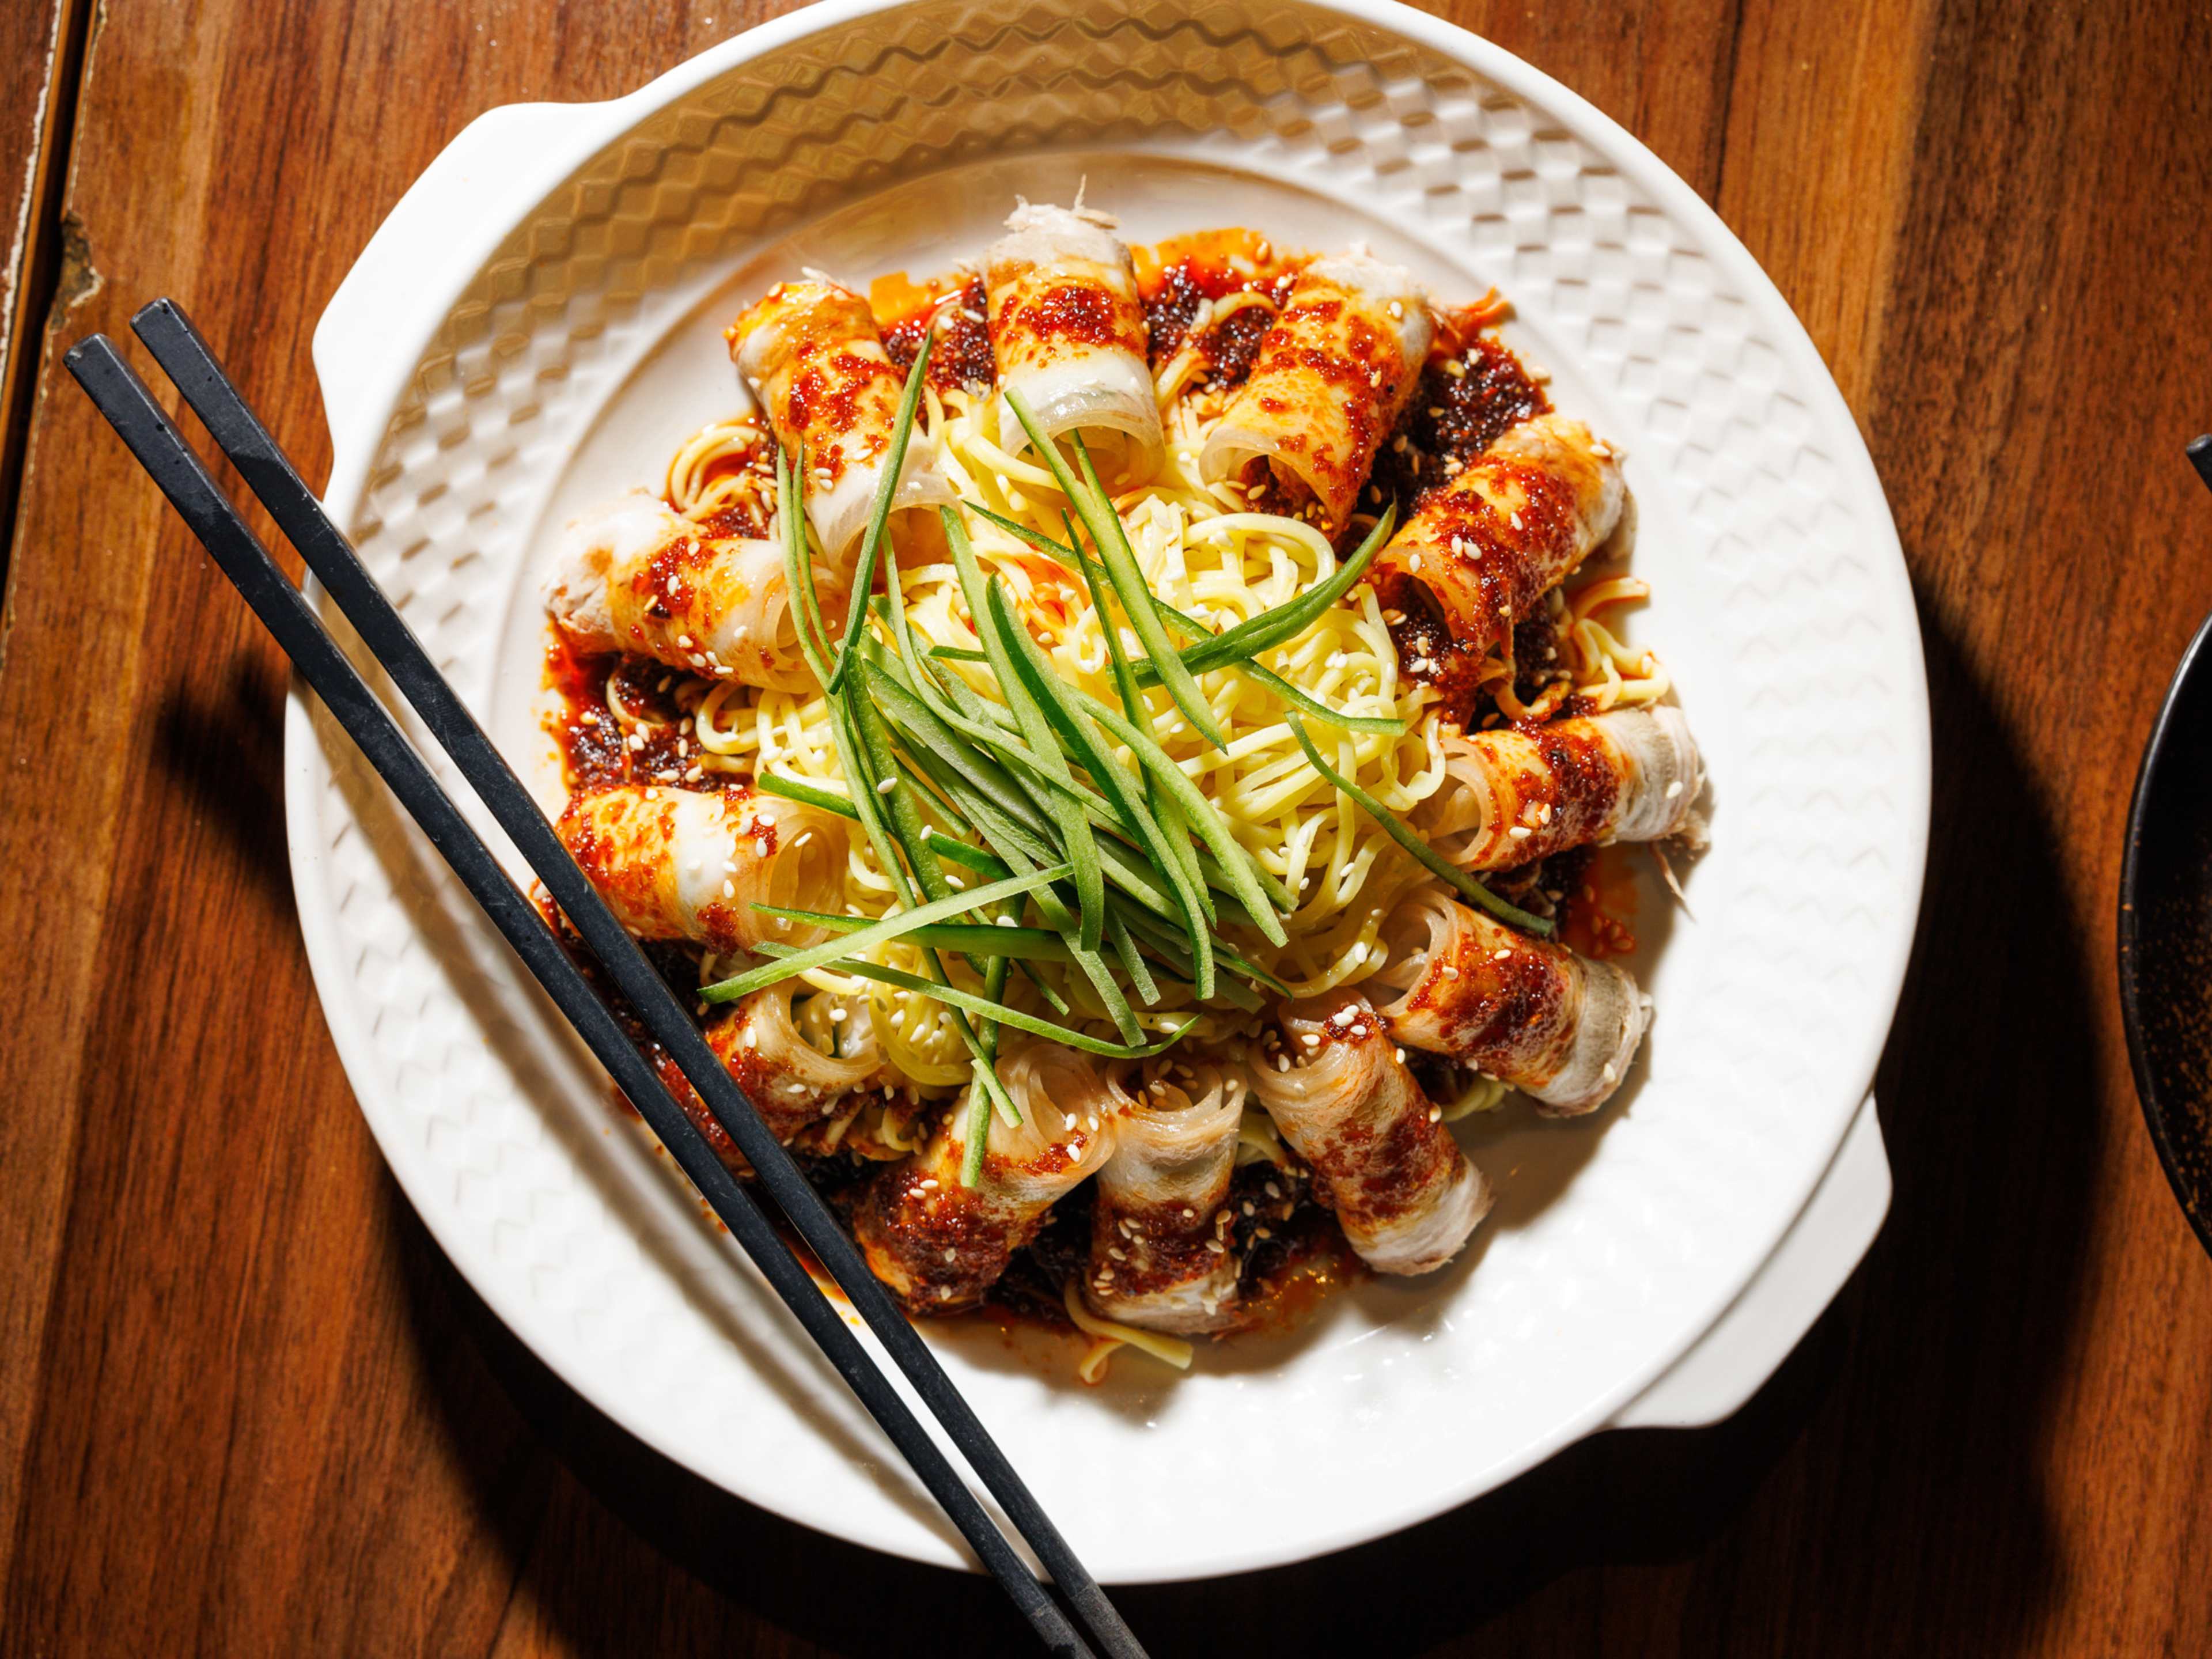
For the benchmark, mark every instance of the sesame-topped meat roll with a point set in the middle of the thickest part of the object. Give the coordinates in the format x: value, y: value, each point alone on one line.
x: 1160, y: 1255
x: 1333, y: 1080
x: 940, y: 1245
x: 1333, y: 374
x: 1515, y: 795
x: 812, y: 355
x: 636, y: 577
x: 677, y: 864
x: 1485, y: 550
x: 790, y: 1081
x: 1068, y: 331
x: 1554, y: 1024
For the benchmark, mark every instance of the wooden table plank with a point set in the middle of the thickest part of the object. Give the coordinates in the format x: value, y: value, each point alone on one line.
x: 41, y: 43
x: 263, y: 1413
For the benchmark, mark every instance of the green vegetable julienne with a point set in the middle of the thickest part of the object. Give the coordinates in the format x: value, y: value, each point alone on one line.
x: 968, y: 939
x: 1427, y: 856
x: 1056, y: 700
x: 1080, y: 846
x: 944, y: 846
x: 876, y: 933
x: 1095, y: 509
x: 872, y: 543
x: 952, y: 996
x: 1271, y: 627
x: 1191, y: 628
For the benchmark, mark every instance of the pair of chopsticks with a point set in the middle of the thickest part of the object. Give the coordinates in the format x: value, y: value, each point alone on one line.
x: 123, y: 398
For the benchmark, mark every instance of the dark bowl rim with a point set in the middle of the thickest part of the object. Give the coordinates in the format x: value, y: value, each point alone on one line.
x: 2198, y: 657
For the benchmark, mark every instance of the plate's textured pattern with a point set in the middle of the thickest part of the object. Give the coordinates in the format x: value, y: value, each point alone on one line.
x: 1742, y: 458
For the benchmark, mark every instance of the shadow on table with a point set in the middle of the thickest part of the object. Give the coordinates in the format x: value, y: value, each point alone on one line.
x: 1907, y: 1430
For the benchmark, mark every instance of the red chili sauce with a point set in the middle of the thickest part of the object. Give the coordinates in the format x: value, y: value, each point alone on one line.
x: 960, y: 354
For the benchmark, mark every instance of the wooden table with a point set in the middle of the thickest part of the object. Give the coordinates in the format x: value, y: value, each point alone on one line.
x: 246, y: 1407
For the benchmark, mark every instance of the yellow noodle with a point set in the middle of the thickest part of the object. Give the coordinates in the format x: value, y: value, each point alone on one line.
x: 1169, y: 1350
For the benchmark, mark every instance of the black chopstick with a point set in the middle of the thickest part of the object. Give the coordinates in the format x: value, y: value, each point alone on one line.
x: 2200, y: 456
x: 187, y: 359
x: 155, y: 442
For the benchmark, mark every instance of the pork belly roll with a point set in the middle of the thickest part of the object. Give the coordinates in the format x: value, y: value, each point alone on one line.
x: 940, y: 1245
x: 1068, y: 331
x: 1160, y: 1255
x: 677, y: 864
x: 1482, y: 550
x: 811, y: 353
x: 1403, y: 1192
x: 636, y: 577
x: 1556, y: 1026
x: 1332, y: 375
x: 790, y: 1081
x: 1513, y: 796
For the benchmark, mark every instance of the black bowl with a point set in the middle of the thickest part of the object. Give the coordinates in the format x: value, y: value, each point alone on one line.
x: 2166, y: 933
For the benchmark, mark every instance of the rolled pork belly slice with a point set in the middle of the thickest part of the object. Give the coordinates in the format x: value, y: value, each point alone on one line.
x: 634, y: 576
x: 1068, y: 331
x: 680, y: 864
x: 814, y: 357
x: 1332, y: 375
x: 1517, y: 794
x: 1482, y: 552
x: 791, y: 1082
x: 1329, y: 1075
x: 1160, y: 1255
x: 1554, y: 1024
x: 938, y: 1245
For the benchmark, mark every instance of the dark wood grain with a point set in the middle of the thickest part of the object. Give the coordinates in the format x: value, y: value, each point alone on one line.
x: 41, y: 51
x: 245, y: 1407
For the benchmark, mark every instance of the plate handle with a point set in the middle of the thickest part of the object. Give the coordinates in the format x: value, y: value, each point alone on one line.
x: 1749, y: 1342
x: 429, y: 246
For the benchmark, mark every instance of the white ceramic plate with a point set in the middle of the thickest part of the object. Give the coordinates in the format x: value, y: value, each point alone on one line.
x: 538, y: 323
